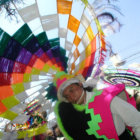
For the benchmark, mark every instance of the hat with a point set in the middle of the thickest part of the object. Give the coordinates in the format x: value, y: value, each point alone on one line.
x: 63, y: 80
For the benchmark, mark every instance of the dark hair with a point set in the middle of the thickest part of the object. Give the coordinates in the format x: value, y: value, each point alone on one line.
x: 89, y: 89
x: 44, y: 114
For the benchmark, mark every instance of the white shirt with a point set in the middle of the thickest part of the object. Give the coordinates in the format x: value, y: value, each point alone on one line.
x: 123, y: 113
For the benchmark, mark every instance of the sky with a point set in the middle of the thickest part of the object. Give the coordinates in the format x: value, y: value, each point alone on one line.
x: 126, y: 42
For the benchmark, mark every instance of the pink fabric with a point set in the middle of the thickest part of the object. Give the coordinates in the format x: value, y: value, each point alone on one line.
x: 134, y: 72
x: 59, y: 82
x: 101, y: 105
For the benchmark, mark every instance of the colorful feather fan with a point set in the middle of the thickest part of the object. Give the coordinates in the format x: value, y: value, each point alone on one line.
x: 30, y: 58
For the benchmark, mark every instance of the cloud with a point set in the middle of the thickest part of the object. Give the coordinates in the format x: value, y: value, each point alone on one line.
x: 134, y: 65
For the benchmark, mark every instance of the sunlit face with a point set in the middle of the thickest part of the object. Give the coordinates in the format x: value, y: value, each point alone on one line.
x: 73, y: 92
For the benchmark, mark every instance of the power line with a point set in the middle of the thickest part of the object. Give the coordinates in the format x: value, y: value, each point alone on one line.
x: 131, y: 55
x: 130, y: 46
x: 133, y: 59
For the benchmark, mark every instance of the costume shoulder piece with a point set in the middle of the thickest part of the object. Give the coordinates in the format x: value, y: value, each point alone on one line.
x: 72, y: 121
x: 99, y: 110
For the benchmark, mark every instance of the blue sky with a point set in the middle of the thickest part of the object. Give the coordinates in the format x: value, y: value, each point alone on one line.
x: 126, y: 42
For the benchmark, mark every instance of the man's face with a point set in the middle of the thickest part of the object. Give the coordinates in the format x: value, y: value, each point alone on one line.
x: 73, y: 92
x: 57, y: 131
